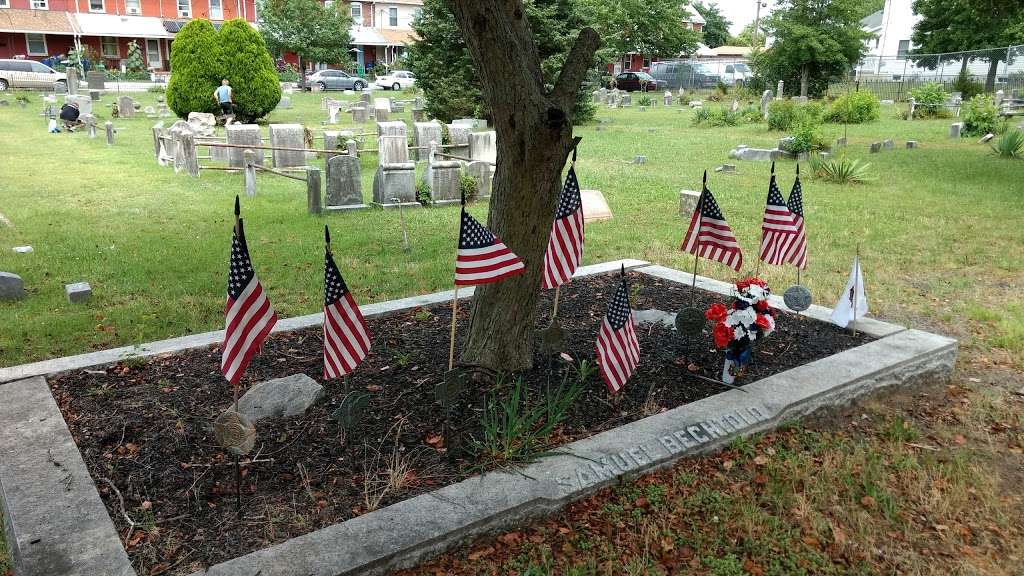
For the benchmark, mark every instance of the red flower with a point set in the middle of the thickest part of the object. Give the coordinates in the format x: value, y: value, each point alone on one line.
x: 763, y: 322
x: 747, y: 282
x: 762, y: 306
x: 716, y: 313
x: 722, y: 334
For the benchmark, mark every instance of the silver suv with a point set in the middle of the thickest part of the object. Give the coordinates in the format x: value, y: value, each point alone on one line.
x: 29, y: 74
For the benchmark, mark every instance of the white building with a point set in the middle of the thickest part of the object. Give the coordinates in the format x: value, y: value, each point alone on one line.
x: 887, y: 51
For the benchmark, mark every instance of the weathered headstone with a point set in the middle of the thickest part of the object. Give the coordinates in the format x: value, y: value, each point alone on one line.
x: 778, y: 91
x: 285, y: 103
x: 840, y: 142
x: 72, y: 78
x: 640, y: 160
x: 419, y: 115
x: 668, y: 97
x: 78, y: 292
x: 23, y: 249
x: 282, y: 397
x: 249, y: 157
x: 688, y: 203
x: 12, y: 287
x: 443, y: 176
x: 125, y: 107
x: 911, y: 144
x: 109, y: 126
x: 84, y: 103
x: 90, y: 124
x: 288, y: 136
x: 360, y: 114
x: 382, y: 109
x: 482, y: 146
x: 423, y: 133
x: 96, y: 80
x: 396, y: 174
x: 244, y: 135
x: 955, y: 128
x: 158, y: 133
x: 595, y: 207
x: 94, y: 95
x: 911, y: 107
x: 766, y: 97
x: 888, y: 144
x: 986, y: 138
x: 481, y: 173
x: 729, y: 168
x: 314, y: 191
x: 334, y: 141
x: 800, y: 99
x: 875, y: 147
x: 344, y: 183
x: 458, y: 136
x: 352, y: 148
x: 202, y: 123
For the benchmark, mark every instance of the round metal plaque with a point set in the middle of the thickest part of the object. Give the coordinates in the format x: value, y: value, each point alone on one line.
x: 797, y: 298
x: 552, y: 338
x: 235, y: 432
x: 690, y: 321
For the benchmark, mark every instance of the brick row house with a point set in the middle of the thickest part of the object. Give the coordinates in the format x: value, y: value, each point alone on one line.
x: 38, y: 29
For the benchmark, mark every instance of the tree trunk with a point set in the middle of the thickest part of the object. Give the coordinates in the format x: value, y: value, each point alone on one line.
x: 534, y: 138
x: 993, y: 69
x: 804, y: 78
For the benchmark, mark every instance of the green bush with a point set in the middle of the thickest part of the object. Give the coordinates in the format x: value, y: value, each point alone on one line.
x: 980, y: 116
x: 930, y: 100
x: 840, y: 170
x: 716, y: 118
x: 249, y: 68
x: 133, y: 65
x: 288, y: 74
x: 195, y: 69
x: 751, y: 114
x: 966, y: 87
x: 785, y: 114
x: 701, y: 116
x: 1010, y: 145
x: 854, y: 108
x: 806, y: 138
x: 644, y: 100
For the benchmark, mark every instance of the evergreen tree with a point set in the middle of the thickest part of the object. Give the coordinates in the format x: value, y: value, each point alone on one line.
x: 249, y: 68
x: 196, y: 69
x: 716, y: 27
x: 135, y: 69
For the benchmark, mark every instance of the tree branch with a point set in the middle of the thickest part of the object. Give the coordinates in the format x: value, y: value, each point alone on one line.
x: 579, y: 60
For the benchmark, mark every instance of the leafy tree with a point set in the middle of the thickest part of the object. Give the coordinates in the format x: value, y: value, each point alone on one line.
x: 962, y: 25
x: 716, y: 27
x: 646, y: 27
x: 444, y: 68
x: 249, y: 68
x: 133, y: 65
x: 316, y: 31
x: 815, y: 42
x: 196, y: 69
x: 746, y: 36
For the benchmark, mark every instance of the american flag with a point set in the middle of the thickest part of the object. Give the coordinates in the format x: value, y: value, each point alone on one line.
x: 797, y: 250
x: 709, y: 236
x: 777, y: 227
x: 565, y: 247
x: 248, y: 315
x: 346, y: 338
x: 482, y: 258
x: 618, y: 350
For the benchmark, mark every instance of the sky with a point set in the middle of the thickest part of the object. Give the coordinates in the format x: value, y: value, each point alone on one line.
x: 741, y: 12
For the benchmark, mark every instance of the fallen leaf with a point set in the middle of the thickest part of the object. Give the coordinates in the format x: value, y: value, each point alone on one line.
x: 486, y: 551
x: 868, y: 502
x: 760, y: 460
x: 959, y: 439
x: 728, y: 464
x: 511, y: 538
x: 373, y: 388
x: 146, y: 505
x: 760, y: 479
x: 435, y: 440
x: 752, y: 568
x: 940, y: 527
x: 810, y: 541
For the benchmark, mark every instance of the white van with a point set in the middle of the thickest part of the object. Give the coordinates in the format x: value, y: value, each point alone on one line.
x: 29, y: 74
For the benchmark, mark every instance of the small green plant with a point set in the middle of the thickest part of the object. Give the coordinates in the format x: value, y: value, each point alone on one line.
x: 805, y: 138
x: 751, y: 114
x: 900, y: 430
x: 854, y: 108
x: 514, y: 432
x: 156, y: 89
x: 781, y: 115
x: 644, y: 100
x: 1010, y: 145
x: 287, y: 73
x: 716, y: 118
x: 468, y: 187
x: 423, y: 315
x: 966, y: 87
x: 980, y: 116
x: 423, y: 193
x: 930, y: 99
x: 584, y: 370
x: 840, y: 170
x: 403, y: 359
x: 701, y: 115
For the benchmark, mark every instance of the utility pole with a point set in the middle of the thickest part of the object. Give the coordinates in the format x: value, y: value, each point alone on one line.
x: 757, y: 19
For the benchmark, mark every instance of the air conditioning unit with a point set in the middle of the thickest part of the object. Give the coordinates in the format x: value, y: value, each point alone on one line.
x: 133, y: 11
x: 184, y: 14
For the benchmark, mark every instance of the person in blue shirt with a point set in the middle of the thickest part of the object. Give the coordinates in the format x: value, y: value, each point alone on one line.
x: 223, y: 97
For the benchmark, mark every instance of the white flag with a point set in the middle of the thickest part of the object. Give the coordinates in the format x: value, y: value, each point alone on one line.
x: 853, y: 303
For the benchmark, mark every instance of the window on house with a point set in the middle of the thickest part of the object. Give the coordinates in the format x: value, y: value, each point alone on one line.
x: 184, y: 8
x: 393, y: 17
x: 95, y: 5
x: 5, y: 3
x: 903, y: 50
x: 36, y: 44
x: 40, y: 5
x: 132, y: 6
x: 357, y: 13
x: 109, y: 47
x: 216, y: 10
x: 153, y: 53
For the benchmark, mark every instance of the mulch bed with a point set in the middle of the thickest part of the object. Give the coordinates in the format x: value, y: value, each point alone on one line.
x: 146, y: 426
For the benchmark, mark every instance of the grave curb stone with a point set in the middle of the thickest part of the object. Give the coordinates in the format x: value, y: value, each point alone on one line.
x: 78, y: 292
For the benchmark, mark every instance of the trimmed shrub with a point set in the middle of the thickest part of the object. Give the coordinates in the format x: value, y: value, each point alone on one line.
x: 980, y: 116
x: 195, y: 69
x: 930, y: 99
x: 854, y: 108
x: 249, y: 68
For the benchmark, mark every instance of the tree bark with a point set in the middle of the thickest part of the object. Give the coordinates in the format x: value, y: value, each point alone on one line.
x: 534, y: 138
x: 993, y: 70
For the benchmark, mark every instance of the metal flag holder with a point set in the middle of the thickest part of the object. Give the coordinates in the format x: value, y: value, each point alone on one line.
x: 690, y: 319
x: 401, y: 219
x: 797, y: 297
x: 552, y: 338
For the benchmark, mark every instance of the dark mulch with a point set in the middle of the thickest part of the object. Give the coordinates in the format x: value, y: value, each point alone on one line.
x: 145, y: 426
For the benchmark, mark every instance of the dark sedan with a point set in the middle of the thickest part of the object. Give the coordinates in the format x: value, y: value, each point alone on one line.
x: 636, y: 82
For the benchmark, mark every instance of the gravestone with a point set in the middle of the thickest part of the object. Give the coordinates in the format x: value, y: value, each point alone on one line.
x: 94, y: 95
x: 84, y: 103
x: 458, y: 137
x: 95, y: 80
x: 244, y: 135
x: 125, y: 107
x: 688, y: 203
x: 481, y: 173
x: 149, y: 111
x: 60, y: 88
x: 352, y: 148
x: 202, y: 123
x: 888, y: 144
x: 668, y: 97
x: 344, y: 183
x: 360, y: 114
x: 419, y: 115
x: 333, y: 107
x: 627, y: 100
x: 779, y: 91
x: 158, y: 132
x: 288, y: 136
x: 365, y: 98
x: 800, y: 99
x: 314, y: 192
x: 285, y: 103
x: 396, y: 175
x: 23, y: 249
x: 986, y: 138
x: 911, y: 144
x: 282, y: 397
x: 109, y: 127
x: 443, y: 177
x: 90, y: 124
x: 912, y: 106
x: 249, y: 157
x: 595, y: 207
x: 766, y: 97
x: 640, y: 160
x: 12, y: 287
x: 423, y: 133
x: 875, y: 147
x: 840, y: 142
x: 482, y: 146
x: 729, y: 168
x: 334, y: 141
x: 382, y: 109
x: 955, y: 128
x: 78, y: 292
x: 72, y: 79
x: 887, y: 102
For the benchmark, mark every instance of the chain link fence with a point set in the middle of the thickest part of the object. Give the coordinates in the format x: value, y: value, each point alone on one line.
x: 893, y: 77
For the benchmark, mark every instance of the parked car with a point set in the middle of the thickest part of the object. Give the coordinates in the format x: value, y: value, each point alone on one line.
x: 637, y: 81
x: 736, y: 72
x: 29, y: 74
x: 673, y: 74
x: 334, y: 80
x: 396, y: 80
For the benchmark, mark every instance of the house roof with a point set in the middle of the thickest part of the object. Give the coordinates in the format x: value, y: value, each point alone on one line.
x: 692, y: 16
x: 364, y: 36
x: 123, y: 26
x: 743, y: 51
x: 398, y: 37
x: 872, y: 21
x: 37, y: 21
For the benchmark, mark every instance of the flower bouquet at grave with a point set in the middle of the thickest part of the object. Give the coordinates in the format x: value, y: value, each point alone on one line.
x: 736, y: 329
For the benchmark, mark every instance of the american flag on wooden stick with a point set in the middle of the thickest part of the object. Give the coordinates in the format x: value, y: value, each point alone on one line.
x: 482, y: 257
x: 248, y: 315
x: 565, y: 247
x: 777, y: 226
x: 709, y: 236
x: 797, y: 250
x: 618, y: 350
x: 346, y: 338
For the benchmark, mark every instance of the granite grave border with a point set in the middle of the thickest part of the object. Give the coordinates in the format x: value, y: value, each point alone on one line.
x: 54, y: 513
